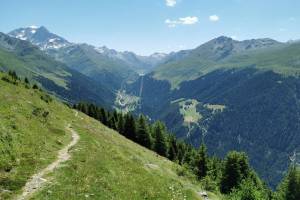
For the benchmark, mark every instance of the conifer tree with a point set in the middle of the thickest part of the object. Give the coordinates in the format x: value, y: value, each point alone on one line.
x: 202, y: 161
x: 130, y: 127
x: 173, y: 149
x: 26, y: 80
x: 293, y: 184
x: 103, y: 116
x: 236, y: 169
x: 112, y: 122
x: 143, y: 133
x: 160, y: 145
x: 120, y: 124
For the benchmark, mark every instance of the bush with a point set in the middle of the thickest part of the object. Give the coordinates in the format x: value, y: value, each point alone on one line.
x: 35, y: 86
x: 248, y: 191
x: 209, y: 184
x: 46, y: 98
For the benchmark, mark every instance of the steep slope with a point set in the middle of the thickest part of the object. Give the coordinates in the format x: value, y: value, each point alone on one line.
x: 70, y: 85
x: 103, y: 164
x: 87, y: 60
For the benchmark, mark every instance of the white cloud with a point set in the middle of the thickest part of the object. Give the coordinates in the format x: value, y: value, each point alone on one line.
x: 188, y: 20
x: 171, y: 3
x: 234, y: 37
x: 214, y: 18
x: 182, y: 21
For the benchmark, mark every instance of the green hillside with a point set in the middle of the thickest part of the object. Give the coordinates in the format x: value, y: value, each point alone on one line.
x: 28, y: 61
x: 103, y: 164
x: 227, y: 54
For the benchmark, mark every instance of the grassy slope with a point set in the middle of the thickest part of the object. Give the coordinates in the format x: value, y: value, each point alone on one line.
x: 283, y: 59
x: 104, y: 165
x: 28, y: 141
x: 31, y: 62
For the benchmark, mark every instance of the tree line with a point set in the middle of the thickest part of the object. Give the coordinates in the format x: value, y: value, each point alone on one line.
x: 231, y: 176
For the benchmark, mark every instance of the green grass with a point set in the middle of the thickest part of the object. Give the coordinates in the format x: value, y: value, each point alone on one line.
x: 104, y: 165
x: 283, y: 59
x: 188, y: 109
x: 215, y: 107
x: 29, y: 138
x: 34, y: 65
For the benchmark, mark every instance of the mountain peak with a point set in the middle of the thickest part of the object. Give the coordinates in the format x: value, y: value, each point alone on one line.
x: 223, y: 46
x: 40, y: 36
x: 223, y: 38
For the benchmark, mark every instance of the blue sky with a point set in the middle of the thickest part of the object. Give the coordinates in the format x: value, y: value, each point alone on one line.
x: 147, y: 26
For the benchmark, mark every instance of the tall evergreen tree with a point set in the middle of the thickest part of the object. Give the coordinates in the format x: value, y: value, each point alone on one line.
x: 160, y: 145
x: 173, y: 148
x: 129, y: 127
x: 104, y: 116
x: 202, y: 161
x: 143, y: 133
x: 26, y: 80
x: 293, y: 184
x: 112, y: 122
x: 120, y: 124
x: 236, y: 169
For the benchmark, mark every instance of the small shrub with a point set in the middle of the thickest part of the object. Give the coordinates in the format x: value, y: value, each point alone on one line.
x: 6, y: 79
x: 26, y: 80
x: 47, y: 98
x: 35, y: 87
x: 209, y: 184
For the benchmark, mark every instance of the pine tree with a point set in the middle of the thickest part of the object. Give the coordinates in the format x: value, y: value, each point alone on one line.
x: 173, y: 149
x: 293, y: 184
x: 112, y: 122
x: 160, y: 145
x: 103, y: 114
x: 91, y: 110
x: 35, y: 86
x: 236, y: 169
x: 143, y: 133
x: 13, y: 74
x: 181, y: 152
x: 26, y: 80
x: 120, y: 124
x: 202, y: 161
x: 130, y: 127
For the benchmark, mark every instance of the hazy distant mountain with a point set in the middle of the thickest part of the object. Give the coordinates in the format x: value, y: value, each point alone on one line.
x: 51, y: 42
x: 70, y: 85
x: 137, y: 62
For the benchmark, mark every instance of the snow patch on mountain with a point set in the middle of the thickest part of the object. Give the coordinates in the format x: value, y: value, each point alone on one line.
x: 40, y: 36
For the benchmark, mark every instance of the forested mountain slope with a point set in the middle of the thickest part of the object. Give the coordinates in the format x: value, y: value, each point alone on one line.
x: 244, y: 97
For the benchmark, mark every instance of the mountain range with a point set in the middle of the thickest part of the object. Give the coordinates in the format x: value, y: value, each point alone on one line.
x: 234, y: 95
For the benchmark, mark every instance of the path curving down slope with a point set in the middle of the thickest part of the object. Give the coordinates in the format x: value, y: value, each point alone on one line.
x: 37, y: 180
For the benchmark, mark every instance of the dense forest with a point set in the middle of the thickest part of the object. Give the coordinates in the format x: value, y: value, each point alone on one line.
x: 231, y: 176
